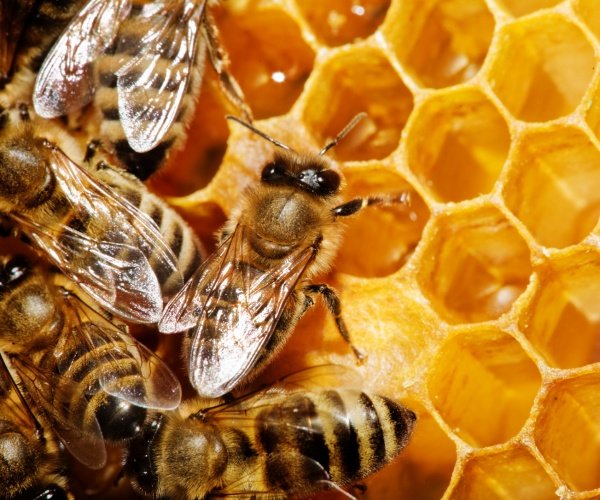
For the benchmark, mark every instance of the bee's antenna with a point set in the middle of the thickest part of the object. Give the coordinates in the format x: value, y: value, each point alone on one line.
x: 262, y: 134
x: 341, y: 135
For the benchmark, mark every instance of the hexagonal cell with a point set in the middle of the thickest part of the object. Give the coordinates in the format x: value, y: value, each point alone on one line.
x: 509, y: 475
x: 269, y: 58
x: 194, y: 166
x: 589, y: 13
x: 543, y: 67
x: 483, y: 385
x: 554, y: 186
x: 440, y: 42
x: 352, y: 82
x: 423, y: 470
x: 379, y: 240
x: 563, y: 321
x: 457, y: 144
x: 567, y: 431
x: 474, y: 265
x: 337, y: 22
x: 524, y: 7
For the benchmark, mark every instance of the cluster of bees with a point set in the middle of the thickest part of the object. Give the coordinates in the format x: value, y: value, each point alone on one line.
x: 111, y: 253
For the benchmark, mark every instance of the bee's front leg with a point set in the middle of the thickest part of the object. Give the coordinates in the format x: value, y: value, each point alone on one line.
x: 333, y: 304
x: 357, y: 204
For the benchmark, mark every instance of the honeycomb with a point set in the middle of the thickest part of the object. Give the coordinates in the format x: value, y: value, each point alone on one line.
x: 478, y: 307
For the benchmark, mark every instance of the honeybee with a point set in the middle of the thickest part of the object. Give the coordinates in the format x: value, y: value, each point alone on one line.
x: 242, y: 304
x: 107, y: 246
x: 295, y: 437
x: 142, y: 63
x: 84, y: 372
x: 30, y: 460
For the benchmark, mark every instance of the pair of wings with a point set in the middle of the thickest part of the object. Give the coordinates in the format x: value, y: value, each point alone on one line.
x: 99, y: 344
x: 245, y: 412
x: 233, y: 310
x: 156, y: 72
x: 118, y: 262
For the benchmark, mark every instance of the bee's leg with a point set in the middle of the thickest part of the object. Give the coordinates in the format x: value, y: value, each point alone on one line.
x: 91, y: 151
x: 220, y: 61
x: 332, y: 302
x: 357, y: 204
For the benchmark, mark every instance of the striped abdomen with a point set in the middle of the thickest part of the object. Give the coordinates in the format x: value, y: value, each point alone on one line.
x: 176, y: 232
x: 128, y: 44
x: 337, y: 435
x: 106, y: 361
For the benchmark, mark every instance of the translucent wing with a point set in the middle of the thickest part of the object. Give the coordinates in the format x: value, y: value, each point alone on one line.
x: 238, y: 307
x: 307, y: 381
x: 152, y: 82
x: 53, y: 395
x: 107, y: 247
x: 130, y: 370
x: 66, y: 80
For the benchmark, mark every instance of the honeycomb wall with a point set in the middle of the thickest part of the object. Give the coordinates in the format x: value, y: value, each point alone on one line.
x: 479, y: 306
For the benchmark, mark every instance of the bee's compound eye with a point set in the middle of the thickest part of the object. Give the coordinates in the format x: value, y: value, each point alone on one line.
x: 321, y: 182
x: 273, y: 173
x: 329, y: 182
x: 15, y: 268
x: 52, y: 492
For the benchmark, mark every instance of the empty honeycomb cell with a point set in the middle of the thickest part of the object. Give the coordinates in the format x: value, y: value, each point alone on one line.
x: 543, y: 67
x: 589, y: 13
x: 512, y: 474
x: 524, y: 7
x: 440, y: 42
x: 457, y: 144
x: 379, y: 240
x: 474, y: 265
x: 337, y: 22
x: 567, y: 431
x: 362, y: 80
x: 194, y: 166
x: 269, y: 58
x: 423, y: 470
x: 554, y: 186
x: 483, y: 385
x: 563, y: 320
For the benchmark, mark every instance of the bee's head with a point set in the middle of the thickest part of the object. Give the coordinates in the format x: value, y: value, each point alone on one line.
x: 309, y: 173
